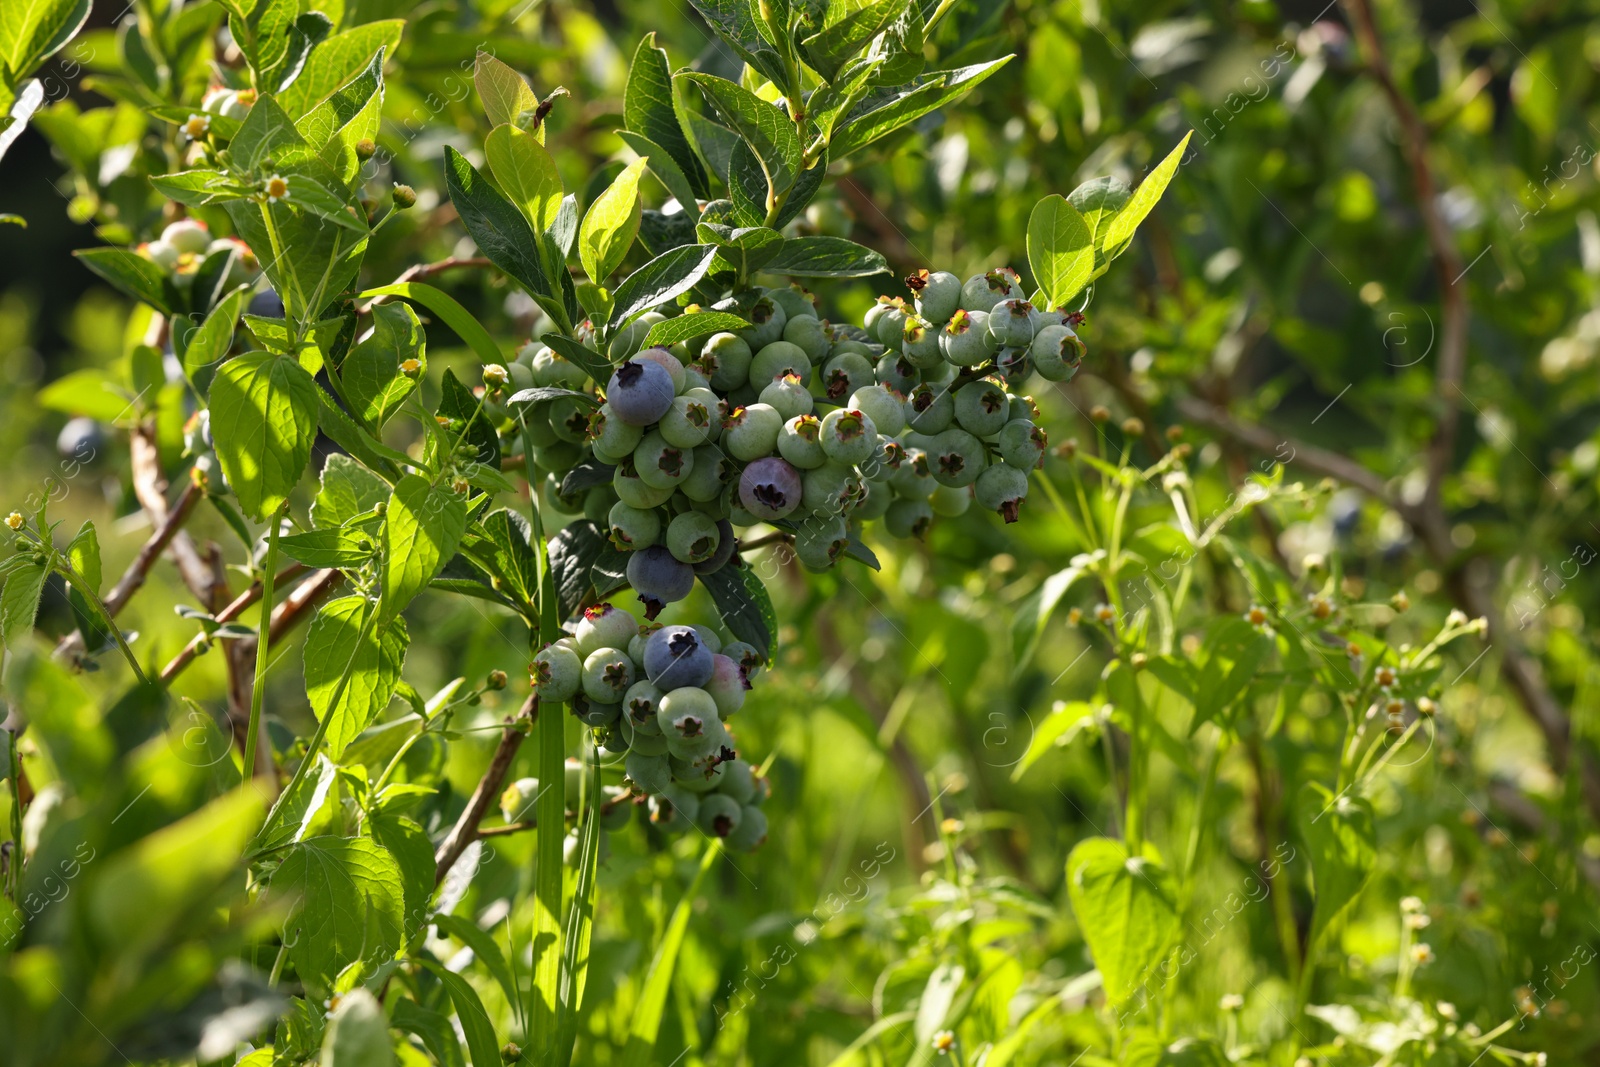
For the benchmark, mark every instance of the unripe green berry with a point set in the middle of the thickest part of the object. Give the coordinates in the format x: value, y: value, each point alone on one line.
x: 1056, y: 352
x: 982, y: 408
x: 844, y: 374
x: 633, y: 490
x: 604, y: 626
x: 938, y: 294
x: 800, y: 442
x: 719, y: 815
x: 1002, y: 489
x: 709, y: 477
x: 983, y: 291
x: 890, y: 327
x: 692, y: 537
x: 631, y: 528
x: 848, y: 436
x: 693, y: 419
x: 810, y: 335
x: 908, y: 518
x: 767, y: 320
x: 796, y: 302
x: 912, y: 479
x: 1013, y: 322
x: 569, y: 418
x: 788, y: 395
x: 897, y: 373
x: 557, y: 673
x: 748, y: 433
x: 930, y: 409
x: 956, y: 458
x: 966, y: 340
x: 652, y: 774
x: 886, y: 412
x: 829, y: 489
x: 639, y: 706
x: 950, y: 501
x: 777, y: 359
x: 751, y: 832
x: 820, y: 541
x: 659, y: 464
x: 726, y: 360
x: 607, y: 674
x: 1022, y: 444
x: 920, y: 342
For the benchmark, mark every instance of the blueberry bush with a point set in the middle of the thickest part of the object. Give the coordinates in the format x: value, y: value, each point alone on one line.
x: 642, y: 533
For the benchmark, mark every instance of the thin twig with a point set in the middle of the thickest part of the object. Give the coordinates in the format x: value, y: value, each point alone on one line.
x: 465, y: 831
x: 776, y: 537
x: 283, y: 617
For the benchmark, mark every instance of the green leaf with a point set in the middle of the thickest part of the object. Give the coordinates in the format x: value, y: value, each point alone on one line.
x: 526, y: 173
x: 664, y: 278
x: 505, y: 93
x: 580, y: 926
x: 611, y: 224
x: 334, y: 647
x: 804, y: 189
x: 468, y: 421
x: 744, y: 607
x: 90, y: 392
x: 825, y: 257
x: 1098, y: 200
x: 652, y: 1001
x: 572, y: 555
x: 268, y: 133
x: 346, y: 118
x: 339, y: 61
x: 842, y: 38
x: 357, y: 1035
x: 33, y: 30
x: 19, y: 604
x: 209, y: 343
x: 83, y: 555
x: 351, y: 905
x: 716, y: 143
x: 1060, y: 249
x: 1028, y: 626
x: 688, y: 327
x: 663, y: 166
x: 374, y: 386
x: 1119, y: 231
x: 458, y: 318
x: 198, y: 188
x: 650, y: 112
x: 1342, y: 839
x: 335, y: 547
x: 936, y: 91
x: 316, y: 190
x: 1127, y: 910
x: 501, y: 232
x: 1147, y: 1050
x: 133, y: 275
x: 433, y: 1028
x: 1065, y: 723
x: 264, y: 420
x: 767, y: 130
x: 420, y: 533
x: 483, y: 946
x: 326, y: 255
x: 349, y: 436
x: 513, y: 553
x: 1237, y: 652
x: 348, y: 489
x: 408, y: 843
x: 482, y: 1044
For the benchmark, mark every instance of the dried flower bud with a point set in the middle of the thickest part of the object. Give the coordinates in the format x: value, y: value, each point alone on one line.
x: 365, y: 149
x: 404, y: 196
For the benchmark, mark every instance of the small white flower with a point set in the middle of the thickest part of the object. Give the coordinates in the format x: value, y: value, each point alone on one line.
x: 943, y: 1042
x: 1418, y: 922
x: 1457, y: 617
x: 1422, y: 954
x: 1231, y: 1002
x: 276, y: 188
x: 1411, y: 905
x: 196, y: 126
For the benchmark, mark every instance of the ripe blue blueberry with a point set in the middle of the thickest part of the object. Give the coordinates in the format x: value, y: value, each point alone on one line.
x: 675, y: 656
x: 640, y: 391
x: 770, y: 488
x: 669, y: 362
x: 658, y: 578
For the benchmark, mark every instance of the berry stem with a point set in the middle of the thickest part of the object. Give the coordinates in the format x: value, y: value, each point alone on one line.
x: 258, y: 685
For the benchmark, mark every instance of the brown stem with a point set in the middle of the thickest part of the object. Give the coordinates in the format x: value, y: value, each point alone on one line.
x: 1446, y: 264
x: 238, y: 606
x: 465, y: 831
x: 776, y: 537
x: 134, y: 577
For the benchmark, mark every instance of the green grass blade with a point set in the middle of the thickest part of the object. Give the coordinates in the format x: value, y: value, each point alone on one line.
x: 653, y: 1001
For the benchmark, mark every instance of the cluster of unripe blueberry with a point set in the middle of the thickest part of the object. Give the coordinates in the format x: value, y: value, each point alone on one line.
x: 659, y: 697
x: 802, y: 424
x: 185, y: 245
